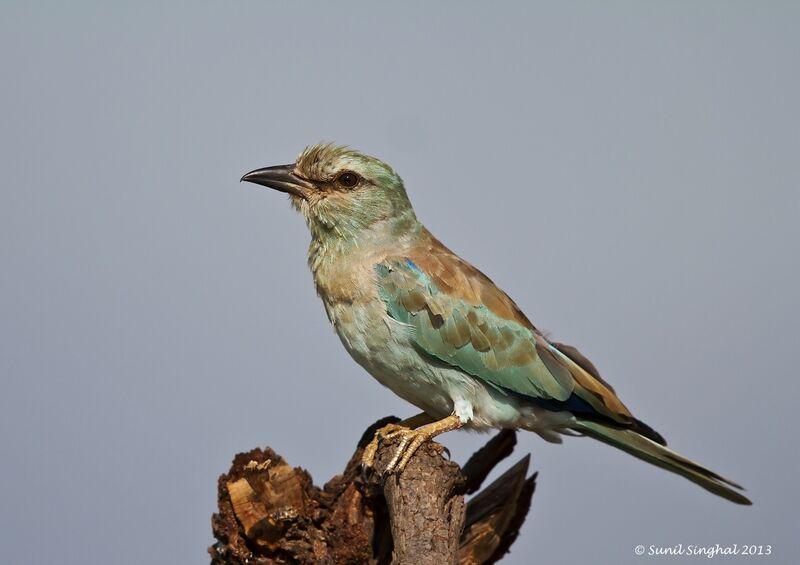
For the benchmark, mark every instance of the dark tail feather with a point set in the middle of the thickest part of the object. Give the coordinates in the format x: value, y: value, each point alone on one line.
x: 650, y: 451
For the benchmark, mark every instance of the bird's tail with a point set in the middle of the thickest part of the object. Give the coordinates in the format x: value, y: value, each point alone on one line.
x: 648, y: 450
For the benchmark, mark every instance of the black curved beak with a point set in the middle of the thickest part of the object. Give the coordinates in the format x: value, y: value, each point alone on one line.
x: 280, y: 177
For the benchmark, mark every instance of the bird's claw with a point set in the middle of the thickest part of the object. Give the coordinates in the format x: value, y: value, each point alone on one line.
x: 371, y: 450
x: 410, y: 441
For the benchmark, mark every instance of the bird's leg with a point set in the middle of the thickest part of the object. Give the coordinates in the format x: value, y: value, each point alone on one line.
x: 412, y: 439
x: 415, y: 422
x: 388, y: 432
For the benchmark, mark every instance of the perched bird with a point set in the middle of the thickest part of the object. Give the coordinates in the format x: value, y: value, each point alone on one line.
x: 437, y: 331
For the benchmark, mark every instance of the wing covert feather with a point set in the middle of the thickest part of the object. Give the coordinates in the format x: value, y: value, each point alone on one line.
x: 461, y: 318
x: 501, y: 352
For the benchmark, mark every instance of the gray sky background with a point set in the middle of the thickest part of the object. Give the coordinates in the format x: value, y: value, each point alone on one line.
x: 628, y: 172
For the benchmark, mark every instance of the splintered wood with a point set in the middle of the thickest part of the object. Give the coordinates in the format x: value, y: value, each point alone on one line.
x: 270, y: 513
x: 265, y: 499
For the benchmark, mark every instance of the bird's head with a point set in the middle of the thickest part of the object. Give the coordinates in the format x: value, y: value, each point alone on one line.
x: 340, y: 191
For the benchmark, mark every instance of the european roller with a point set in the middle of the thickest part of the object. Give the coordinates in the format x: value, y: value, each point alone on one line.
x: 438, y: 332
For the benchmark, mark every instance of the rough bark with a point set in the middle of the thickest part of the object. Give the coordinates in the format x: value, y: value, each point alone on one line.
x: 426, y: 506
x: 270, y: 513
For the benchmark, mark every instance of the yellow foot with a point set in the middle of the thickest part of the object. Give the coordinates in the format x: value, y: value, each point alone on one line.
x: 386, y: 432
x: 410, y: 441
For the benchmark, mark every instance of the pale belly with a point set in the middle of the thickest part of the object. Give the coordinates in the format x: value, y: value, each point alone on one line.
x: 384, y: 348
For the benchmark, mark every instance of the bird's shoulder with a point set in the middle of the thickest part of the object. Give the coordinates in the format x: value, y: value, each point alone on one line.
x: 455, y: 278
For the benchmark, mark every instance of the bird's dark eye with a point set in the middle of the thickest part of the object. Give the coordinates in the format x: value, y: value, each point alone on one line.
x: 347, y: 179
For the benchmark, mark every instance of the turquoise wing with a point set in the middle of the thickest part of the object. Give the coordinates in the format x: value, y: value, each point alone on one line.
x: 453, y: 323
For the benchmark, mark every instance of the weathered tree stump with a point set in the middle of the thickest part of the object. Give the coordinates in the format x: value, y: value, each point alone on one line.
x: 270, y: 513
